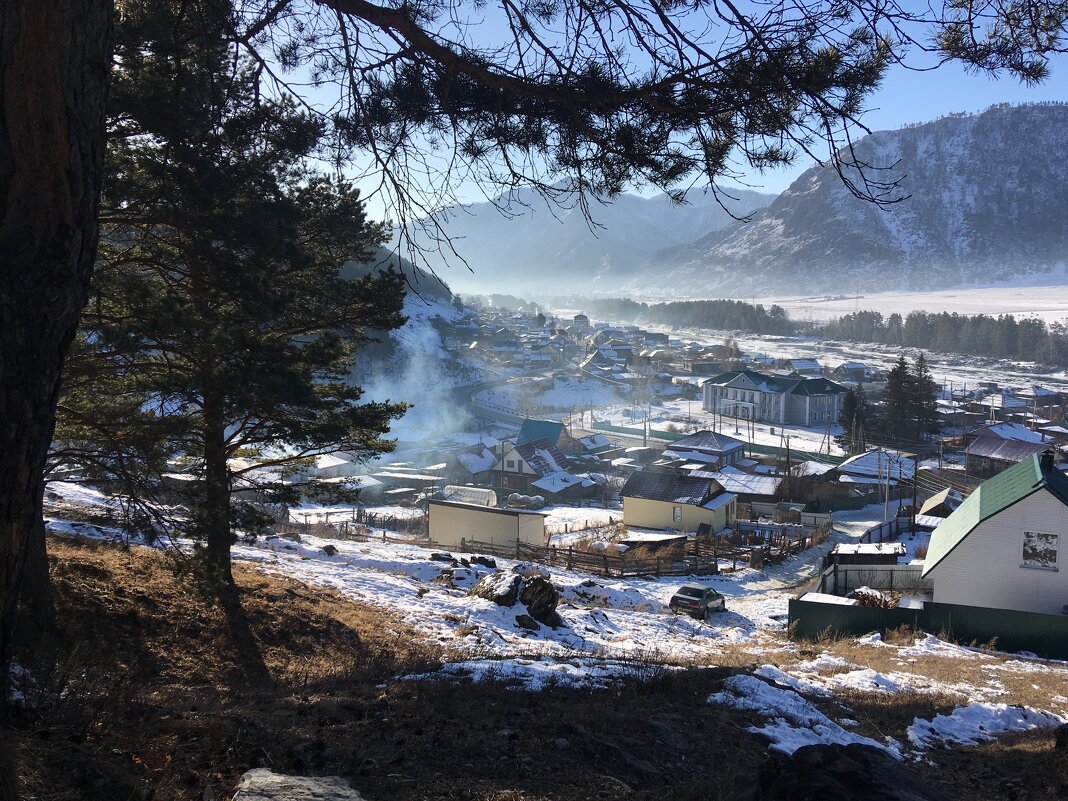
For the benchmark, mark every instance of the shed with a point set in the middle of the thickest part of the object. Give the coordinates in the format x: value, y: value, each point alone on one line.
x: 867, y: 553
x: 450, y: 522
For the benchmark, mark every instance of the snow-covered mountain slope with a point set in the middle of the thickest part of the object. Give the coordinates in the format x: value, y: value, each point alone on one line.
x: 982, y: 200
x: 534, y: 247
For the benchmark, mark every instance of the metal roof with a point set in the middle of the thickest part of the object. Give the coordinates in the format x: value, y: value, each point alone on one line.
x: 991, y: 497
x: 1004, y: 450
x: 539, y: 429
x: 708, y: 441
x: 668, y: 486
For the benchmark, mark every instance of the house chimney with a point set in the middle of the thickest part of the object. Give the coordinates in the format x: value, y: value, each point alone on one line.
x: 1045, y: 461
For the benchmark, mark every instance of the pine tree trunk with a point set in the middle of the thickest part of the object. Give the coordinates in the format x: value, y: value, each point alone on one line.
x: 35, y: 598
x: 54, y: 64
x: 219, y: 534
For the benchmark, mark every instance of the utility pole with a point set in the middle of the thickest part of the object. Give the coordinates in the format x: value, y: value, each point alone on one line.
x: 788, y: 495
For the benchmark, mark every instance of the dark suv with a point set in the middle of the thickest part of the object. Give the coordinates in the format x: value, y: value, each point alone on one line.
x: 697, y: 600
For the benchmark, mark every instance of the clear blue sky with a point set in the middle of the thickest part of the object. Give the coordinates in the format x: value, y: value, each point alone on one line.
x: 908, y: 97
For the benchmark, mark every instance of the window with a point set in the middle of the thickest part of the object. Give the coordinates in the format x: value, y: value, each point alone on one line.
x: 676, y: 514
x: 1039, y: 550
x: 509, y: 464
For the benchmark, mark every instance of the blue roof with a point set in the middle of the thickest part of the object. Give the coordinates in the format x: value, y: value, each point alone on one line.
x: 540, y: 429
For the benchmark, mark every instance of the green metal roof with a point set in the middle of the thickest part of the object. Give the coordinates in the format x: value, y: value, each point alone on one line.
x: 993, y: 496
x: 539, y: 429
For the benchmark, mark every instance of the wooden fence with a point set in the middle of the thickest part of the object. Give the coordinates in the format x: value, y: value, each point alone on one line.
x: 609, y: 565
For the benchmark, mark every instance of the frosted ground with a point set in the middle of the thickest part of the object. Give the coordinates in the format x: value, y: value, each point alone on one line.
x: 617, y: 628
x: 1034, y: 296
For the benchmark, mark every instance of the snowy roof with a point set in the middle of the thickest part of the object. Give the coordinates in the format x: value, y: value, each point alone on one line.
x: 719, y: 501
x: 325, y: 460
x: 879, y: 462
x: 1013, y: 431
x: 1004, y: 450
x: 824, y: 598
x: 595, y: 442
x: 542, y: 457
x: 708, y: 441
x: 476, y: 459
x: 744, y: 483
x: 812, y: 468
x: 857, y: 548
x: 556, y: 482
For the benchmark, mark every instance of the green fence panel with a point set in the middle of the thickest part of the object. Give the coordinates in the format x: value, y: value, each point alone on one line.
x: 1005, y: 629
x: 811, y: 619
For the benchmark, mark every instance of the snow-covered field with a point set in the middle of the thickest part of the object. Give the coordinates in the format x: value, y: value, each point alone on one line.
x: 1035, y: 296
x: 688, y: 415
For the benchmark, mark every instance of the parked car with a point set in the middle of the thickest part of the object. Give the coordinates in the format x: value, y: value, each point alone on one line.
x: 697, y: 600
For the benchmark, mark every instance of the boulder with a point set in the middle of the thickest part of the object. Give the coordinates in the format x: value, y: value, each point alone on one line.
x: 836, y: 772
x: 501, y: 588
x: 263, y: 785
x: 530, y: 570
x: 535, y: 592
x: 1060, y: 735
x: 330, y: 550
x: 485, y: 561
x: 540, y: 598
x: 526, y: 622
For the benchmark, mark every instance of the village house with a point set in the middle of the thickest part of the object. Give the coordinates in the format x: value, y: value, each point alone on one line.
x: 987, y: 456
x: 782, y: 400
x: 707, y: 448
x: 552, y: 430
x: 539, y: 468
x: 805, y: 367
x: 672, y: 499
x: 1005, y: 546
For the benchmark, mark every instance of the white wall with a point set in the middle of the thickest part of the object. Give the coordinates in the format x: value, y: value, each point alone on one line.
x: 985, y: 568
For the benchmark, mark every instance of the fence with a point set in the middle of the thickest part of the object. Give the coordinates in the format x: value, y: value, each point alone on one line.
x: 887, y: 530
x: 671, y: 436
x: 1005, y: 629
x: 608, y: 565
x: 357, y: 526
x: 840, y: 579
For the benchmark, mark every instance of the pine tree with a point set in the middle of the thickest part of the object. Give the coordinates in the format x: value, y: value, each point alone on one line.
x: 925, y: 393
x: 856, y: 420
x: 898, y: 404
x: 218, y: 301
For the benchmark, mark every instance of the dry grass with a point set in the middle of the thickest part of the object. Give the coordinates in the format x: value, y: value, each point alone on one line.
x: 152, y: 691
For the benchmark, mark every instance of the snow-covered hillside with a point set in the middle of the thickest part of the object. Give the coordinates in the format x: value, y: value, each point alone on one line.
x: 979, y: 200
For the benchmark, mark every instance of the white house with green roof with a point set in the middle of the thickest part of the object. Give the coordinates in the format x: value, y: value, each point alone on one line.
x: 1006, y: 546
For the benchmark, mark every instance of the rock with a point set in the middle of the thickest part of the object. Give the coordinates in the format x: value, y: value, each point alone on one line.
x: 835, y: 772
x: 437, y: 556
x: 1060, y: 737
x: 531, y: 570
x: 464, y: 562
x: 666, y: 736
x: 527, y: 622
x: 502, y: 589
x: 485, y: 561
x: 330, y: 550
x: 616, y: 752
x: 540, y: 598
x: 263, y: 785
x: 536, y: 593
